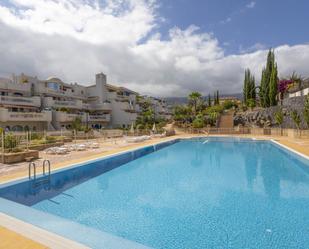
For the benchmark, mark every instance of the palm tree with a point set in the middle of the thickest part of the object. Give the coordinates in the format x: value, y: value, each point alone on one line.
x: 194, y: 100
x: 297, y: 78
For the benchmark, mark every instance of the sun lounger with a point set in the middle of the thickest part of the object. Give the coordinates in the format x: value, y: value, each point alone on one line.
x: 94, y: 145
x: 61, y: 150
x: 80, y: 147
x: 137, y: 139
x: 51, y: 150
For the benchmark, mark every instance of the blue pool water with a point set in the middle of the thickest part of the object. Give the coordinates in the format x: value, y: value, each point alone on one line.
x: 225, y: 193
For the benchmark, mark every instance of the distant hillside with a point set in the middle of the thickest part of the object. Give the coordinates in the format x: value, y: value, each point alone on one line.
x: 183, y: 100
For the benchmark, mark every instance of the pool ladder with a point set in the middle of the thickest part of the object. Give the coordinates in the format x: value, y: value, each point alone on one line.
x: 33, y: 165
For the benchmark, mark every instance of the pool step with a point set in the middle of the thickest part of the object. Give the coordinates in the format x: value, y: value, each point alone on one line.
x: 41, y: 181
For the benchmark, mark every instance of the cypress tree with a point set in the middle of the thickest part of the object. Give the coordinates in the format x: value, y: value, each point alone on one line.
x: 245, y: 88
x: 209, y: 100
x: 267, y: 86
x: 273, y: 88
x: 249, y: 87
x: 218, y: 102
x: 215, y: 98
x: 263, y: 89
x: 252, y: 88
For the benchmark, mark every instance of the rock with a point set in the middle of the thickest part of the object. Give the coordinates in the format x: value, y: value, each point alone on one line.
x: 265, y: 117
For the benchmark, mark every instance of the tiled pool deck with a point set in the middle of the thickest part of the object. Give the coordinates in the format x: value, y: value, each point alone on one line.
x: 15, y: 240
x: 12, y: 240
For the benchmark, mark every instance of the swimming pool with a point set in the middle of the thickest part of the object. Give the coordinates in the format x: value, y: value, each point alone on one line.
x: 222, y: 193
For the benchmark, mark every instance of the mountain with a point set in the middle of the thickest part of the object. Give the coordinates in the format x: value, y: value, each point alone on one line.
x: 184, y: 100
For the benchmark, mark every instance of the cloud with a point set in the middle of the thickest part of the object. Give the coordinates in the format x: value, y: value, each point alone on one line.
x: 116, y: 21
x: 253, y: 48
x: 187, y: 60
x: 238, y: 12
x: 251, y: 5
x: 227, y: 20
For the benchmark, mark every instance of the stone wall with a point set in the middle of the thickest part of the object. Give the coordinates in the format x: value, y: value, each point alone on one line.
x: 261, y: 117
x: 20, y: 156
x: 296, y: 102
x: 266, y: 117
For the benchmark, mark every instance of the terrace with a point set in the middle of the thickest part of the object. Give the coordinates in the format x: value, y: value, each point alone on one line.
x: 6, y: 116
x: 20, y: 101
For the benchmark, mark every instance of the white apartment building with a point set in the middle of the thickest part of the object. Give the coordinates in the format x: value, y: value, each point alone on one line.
x: 27, y: 103
x: 160, y: 107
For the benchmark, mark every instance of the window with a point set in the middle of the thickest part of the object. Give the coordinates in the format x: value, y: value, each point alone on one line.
x: 54, y: 86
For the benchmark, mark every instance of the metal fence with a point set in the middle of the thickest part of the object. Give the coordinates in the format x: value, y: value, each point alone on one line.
x: 292, y: 133
x: 13, y: 142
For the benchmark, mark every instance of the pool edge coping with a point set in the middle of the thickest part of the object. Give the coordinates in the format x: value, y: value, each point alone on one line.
x: 37, y: 234
x: 86, y: 161
x: 290, y: 149
x: 78, y: 164
x: 74, y: 165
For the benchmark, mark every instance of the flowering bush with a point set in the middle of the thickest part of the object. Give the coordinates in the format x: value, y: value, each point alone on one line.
x: 284, y: 85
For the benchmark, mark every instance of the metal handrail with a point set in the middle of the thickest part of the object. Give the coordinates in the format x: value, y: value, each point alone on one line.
x: 46, y: 161
x: 34, y: 170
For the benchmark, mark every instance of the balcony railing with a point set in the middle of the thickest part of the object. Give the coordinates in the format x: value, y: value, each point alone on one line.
x: 99, y: 118
x: 101, y: 106
x: 20, y: 101
x: 66, y: 117
x: 70, y: 117
x: 98, y: 106
x: 15, y: 86
x: 76, y: 104
x: 6, y: 116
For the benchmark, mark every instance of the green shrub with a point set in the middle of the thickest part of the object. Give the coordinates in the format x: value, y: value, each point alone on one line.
x: 198, y: 122
x: 36, y: 136
x: 296, y: 118
x: 306, y: 111
x: 15, y: 150
x: 279, y: 117
x: 251, y: 103
x: 10, y: 141
x: 51, y: 138
x: 228, y: 104
x: 213, y: 109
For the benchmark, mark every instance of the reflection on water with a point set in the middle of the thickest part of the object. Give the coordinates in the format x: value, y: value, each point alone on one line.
x: 222, y: 194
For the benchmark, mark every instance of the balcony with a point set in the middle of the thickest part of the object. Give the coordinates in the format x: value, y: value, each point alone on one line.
x: 25, y: 87
x: 6, y: 116
x: 57, y: 93
x: 66, y: 117
x: 20, y: 101
x: 122, y: 98
x: 72, y: 104
x: 128, y: 107
x: 99, y: 118
x: 100, y: 106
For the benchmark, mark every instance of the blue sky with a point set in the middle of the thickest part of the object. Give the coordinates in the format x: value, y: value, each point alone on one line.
x: 269, y: 23
x: 156, y: 47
